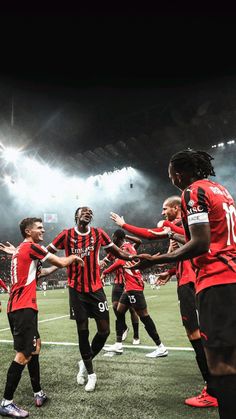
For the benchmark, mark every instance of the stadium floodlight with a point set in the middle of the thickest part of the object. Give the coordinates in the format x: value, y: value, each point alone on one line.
x: 231, y: 142
x: 10, y: 154
x: 214, y: 146
x: 220, y: 144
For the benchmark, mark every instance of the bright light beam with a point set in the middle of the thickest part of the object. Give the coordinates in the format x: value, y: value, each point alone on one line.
x: 10, y: 155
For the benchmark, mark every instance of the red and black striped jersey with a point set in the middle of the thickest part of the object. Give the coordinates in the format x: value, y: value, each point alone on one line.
x: 87, y: 246
x: 205, y: 201
x: 133, y: 279
x: 25, y: 267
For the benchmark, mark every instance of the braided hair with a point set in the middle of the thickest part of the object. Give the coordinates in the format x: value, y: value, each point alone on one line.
x: 196, y: 162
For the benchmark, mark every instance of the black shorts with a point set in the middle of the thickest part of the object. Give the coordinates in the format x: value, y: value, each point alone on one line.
x: 24, y: 329
x: 133, y: 299
x: 89, y: 304
x: 117, y: 290
x: 217, y: 315
x: 188, y: 306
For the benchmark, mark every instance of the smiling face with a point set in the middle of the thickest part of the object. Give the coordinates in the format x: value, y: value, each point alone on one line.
x: 35, y: 232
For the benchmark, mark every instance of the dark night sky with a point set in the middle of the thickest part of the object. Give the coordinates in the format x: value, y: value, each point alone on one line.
x: 103, y: 65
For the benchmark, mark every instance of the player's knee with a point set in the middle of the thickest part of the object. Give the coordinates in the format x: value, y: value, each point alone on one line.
x: 22, y: 359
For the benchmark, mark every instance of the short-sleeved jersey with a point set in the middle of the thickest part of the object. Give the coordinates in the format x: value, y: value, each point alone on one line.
x: 205, y: 201
x: 133, y: 279
x: 86, y: 245
x: 25, y: 267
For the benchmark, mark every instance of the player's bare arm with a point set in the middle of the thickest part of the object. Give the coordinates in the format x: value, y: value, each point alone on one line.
x: 47, y: 271
x: 63, y: 262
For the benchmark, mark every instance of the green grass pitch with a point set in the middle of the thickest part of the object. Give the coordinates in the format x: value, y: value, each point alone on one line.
x: 129, y: 385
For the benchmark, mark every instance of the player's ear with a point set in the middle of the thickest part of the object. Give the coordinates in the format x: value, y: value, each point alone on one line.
x: 27, y: 231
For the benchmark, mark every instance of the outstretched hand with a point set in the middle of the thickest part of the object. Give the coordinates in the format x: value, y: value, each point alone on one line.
x: 162, y: 278
x: 117, y: 219
x: 8, y: 248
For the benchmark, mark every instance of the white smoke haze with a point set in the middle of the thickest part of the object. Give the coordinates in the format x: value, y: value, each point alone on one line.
x: 34, y: 189
x: 225, y: 167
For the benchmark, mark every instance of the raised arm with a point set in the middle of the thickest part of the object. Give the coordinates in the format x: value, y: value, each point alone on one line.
x: 138, y: 231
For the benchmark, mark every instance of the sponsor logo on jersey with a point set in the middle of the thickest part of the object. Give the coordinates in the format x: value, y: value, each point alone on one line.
x: 195, y: 210
x: 83, y: 252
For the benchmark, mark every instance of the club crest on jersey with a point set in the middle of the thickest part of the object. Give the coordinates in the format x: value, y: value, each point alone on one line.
x: 191, y: 203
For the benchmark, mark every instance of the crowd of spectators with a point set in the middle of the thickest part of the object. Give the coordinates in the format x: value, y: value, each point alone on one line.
x: 59, y: 278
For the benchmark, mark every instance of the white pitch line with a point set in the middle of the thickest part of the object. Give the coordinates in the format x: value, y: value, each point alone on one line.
x: 67, y: 315
x: 170, y: 348
x: 53, y: 318
x: 41, y: 321
x: 62, y: 317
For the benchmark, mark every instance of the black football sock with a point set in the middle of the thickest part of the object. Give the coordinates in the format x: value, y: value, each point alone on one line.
x: 225, y: 390
x: 98, y: 342
x: 200, y: 358
x: 13, y: 378
x: 136, y: 329
x: 34, y: 372
x: 151, y: 329
x: 85, y: 350
x: 120, y: 326
x: 202, y: 364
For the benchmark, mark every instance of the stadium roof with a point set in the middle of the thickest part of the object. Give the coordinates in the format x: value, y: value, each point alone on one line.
x: 98, y: 92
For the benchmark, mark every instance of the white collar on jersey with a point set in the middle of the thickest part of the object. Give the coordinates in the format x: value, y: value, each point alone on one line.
x: 82, y: 234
